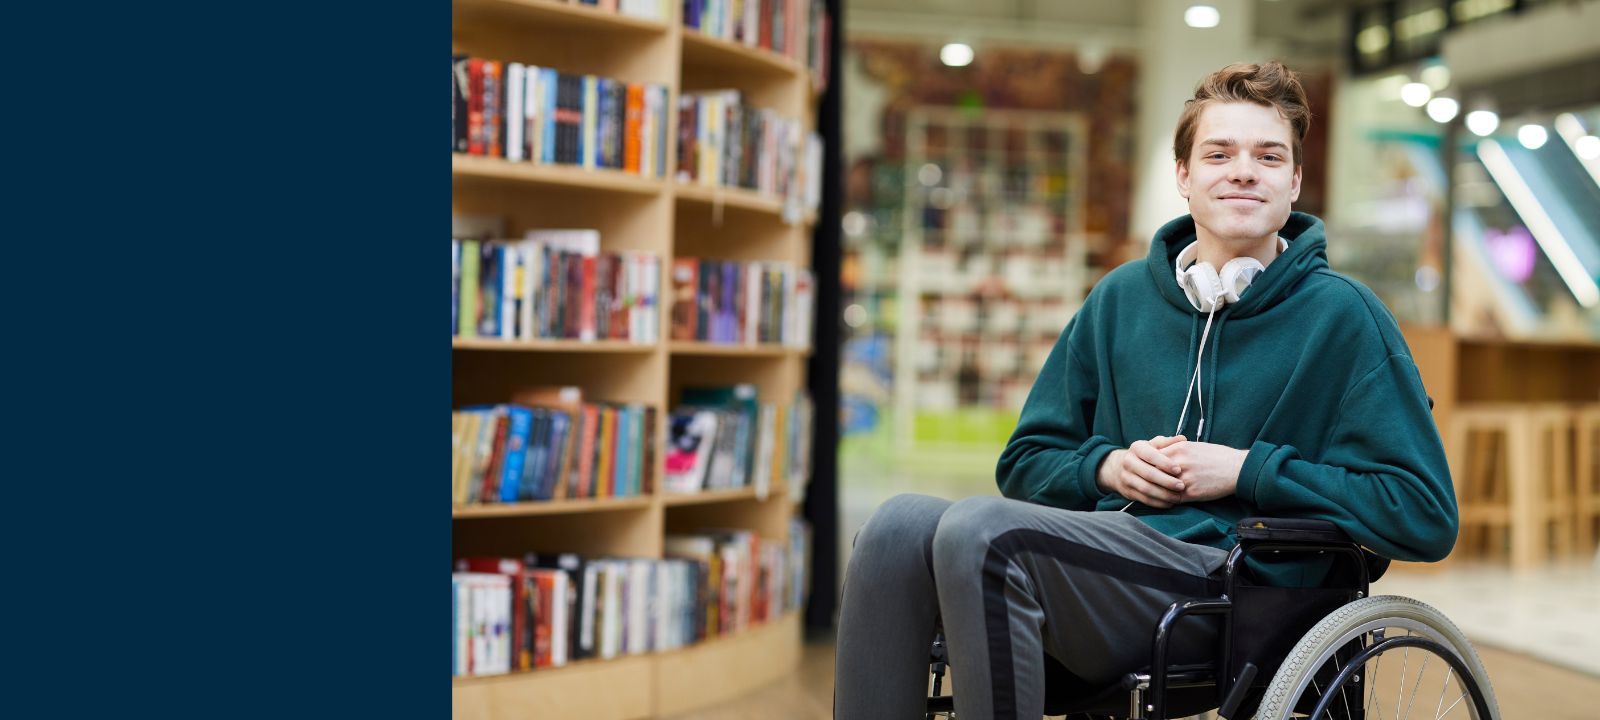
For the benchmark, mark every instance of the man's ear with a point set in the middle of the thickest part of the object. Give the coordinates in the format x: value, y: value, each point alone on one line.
x: 1294, y: 190
x: 1183, y: 180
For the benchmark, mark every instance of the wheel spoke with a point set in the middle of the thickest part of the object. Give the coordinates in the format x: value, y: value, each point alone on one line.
x: 1453, y: 705
x: 1421, y: 671
x: 1318, y: 688
x: 1372, y: 687
x: 1442, y: 691
x: 1400, y: 689
x: 1343, y: 695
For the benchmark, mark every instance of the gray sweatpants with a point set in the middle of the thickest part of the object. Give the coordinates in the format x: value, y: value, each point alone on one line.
x: 1011, y: 581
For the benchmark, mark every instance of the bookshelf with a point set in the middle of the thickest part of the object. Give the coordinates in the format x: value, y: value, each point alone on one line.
x: 631, y: 213
x: 993, y: 262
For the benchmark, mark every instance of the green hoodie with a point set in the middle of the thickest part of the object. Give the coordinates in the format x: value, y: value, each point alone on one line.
x: 1308, y: 371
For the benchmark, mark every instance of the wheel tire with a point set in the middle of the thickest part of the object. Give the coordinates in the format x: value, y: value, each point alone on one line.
x: 1342, y: 625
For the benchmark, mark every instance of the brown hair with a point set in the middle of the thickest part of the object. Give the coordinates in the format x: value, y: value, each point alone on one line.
x: 1269, y: 84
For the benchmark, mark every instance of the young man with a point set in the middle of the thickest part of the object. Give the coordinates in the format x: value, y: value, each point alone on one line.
x: 1230, y: 374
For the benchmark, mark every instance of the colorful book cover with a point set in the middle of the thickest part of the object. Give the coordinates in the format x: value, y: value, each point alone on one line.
x: 493, y: 116
x: 489, y: 284
x: 475, y: 135
x: 519, y: 428
x: 460, y: 82
x: 606, y: 486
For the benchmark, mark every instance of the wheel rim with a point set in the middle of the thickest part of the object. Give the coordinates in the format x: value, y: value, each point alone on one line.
x: 1403, y: 694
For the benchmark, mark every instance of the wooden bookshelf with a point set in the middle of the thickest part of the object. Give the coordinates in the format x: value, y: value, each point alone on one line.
x: 736, y: 198
x: 710, y: 496
x: 701, y: 49
x: 576, y: 346
x: 670, y: 219
x: 551, y: 507
x: 473, y: 168
x: 684, y: 347
x: 560, y: 14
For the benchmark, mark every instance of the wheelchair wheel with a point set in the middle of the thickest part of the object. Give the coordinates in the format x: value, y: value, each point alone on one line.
x: 1381, y: 656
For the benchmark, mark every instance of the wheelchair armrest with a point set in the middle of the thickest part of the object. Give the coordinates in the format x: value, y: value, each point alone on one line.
x: 1291, y: 530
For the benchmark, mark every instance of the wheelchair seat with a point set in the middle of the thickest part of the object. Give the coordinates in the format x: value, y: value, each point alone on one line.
x: 1284, y: 651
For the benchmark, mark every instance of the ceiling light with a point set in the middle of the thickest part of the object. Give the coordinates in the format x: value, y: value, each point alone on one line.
x: 1588, y: 147
x: 1482, y: 122
x: 1532, y: 136
x: 1443, y: 109
x: 956, y: 54
x: 1415, y: 94
x: 1201, y: 16
x: 1437, y: 77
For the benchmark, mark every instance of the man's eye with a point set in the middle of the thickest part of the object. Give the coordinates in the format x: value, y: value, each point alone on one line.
x: 1216, y: 156
x: 1271, y: 158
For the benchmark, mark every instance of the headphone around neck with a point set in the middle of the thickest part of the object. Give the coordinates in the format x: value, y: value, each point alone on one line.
x: 1209, y: 290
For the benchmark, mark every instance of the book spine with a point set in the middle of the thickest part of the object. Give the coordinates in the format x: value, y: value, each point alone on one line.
x: 589, y: 102
x: 460, y: 82
x: 632, y: 135
x: 455, y: 287
x: 516, y: 84
x: 493, y: 104
x: 588, y: 289
x: 475, y: 136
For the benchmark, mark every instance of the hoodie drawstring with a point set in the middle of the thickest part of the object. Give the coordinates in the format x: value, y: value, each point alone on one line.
x: 1194, y: 383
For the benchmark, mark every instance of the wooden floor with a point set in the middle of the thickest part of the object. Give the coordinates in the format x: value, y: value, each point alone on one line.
x: 1527, y: 688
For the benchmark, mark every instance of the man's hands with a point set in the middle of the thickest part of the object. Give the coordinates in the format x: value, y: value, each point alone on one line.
x: 1144, y: 473
x: 1210, y: 471
x: 1164, y: 471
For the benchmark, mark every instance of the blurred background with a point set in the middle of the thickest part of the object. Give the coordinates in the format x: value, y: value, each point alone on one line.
x: 1001, y: 157
x: 915, y: 197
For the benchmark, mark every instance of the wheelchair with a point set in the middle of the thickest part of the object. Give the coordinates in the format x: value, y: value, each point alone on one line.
x: 1286, y: 652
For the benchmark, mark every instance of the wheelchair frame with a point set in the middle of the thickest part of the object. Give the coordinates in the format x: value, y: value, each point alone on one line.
x: 1148, y: 691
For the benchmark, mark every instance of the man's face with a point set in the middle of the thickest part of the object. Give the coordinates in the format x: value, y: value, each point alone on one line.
x: 1240, y: 177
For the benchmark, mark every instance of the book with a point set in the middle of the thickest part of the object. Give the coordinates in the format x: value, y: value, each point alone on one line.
x: 742, y: 400
x: 475, y: 132
x: 460, y: 84
x: 693, y: 433
x: 493, y: 103
x: 516, y: 106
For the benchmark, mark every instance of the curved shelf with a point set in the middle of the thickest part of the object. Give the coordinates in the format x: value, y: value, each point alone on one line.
x: 729, y: 197
x: 684, y: 347
x: 617, y: 688
x: 739, y: 663
x: 710, y: 196
x: 702, y: 49
x: 554, y: 14
x: 473, y: 167
x: 594, y: 346
x: 549, y: 507
x: 712, y: 496
x: 647, y: 685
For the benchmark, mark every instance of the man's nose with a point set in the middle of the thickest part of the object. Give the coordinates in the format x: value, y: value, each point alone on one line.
x: 1242, y: 170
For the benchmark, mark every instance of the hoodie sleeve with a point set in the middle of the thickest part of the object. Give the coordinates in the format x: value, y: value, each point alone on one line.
x: 1052, y: 458
x: 1383, y: 479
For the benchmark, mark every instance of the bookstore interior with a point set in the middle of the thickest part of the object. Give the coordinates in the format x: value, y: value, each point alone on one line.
x: 726, y: 275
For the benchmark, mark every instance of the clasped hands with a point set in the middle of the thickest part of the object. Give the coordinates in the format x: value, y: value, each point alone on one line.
x: 1165, y: 471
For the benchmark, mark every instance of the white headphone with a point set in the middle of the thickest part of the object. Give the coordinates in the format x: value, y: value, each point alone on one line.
x: 1209, y: 290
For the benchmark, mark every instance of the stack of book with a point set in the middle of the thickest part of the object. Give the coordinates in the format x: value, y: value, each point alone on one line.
x: 552, y: 284
x: 546, y: 610
x: 724, y: 301
x: 722, y: 142
x: 796, y: 29
x: 481, y: 634
x: 548, y: 444
x: 527, y: 113
x: 725, y: 438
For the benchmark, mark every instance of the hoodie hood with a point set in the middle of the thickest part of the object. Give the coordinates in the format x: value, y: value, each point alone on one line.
x: 1307, y: 253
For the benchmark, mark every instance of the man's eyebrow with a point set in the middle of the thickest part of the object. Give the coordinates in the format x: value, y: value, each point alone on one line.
x: 1229, y: 142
